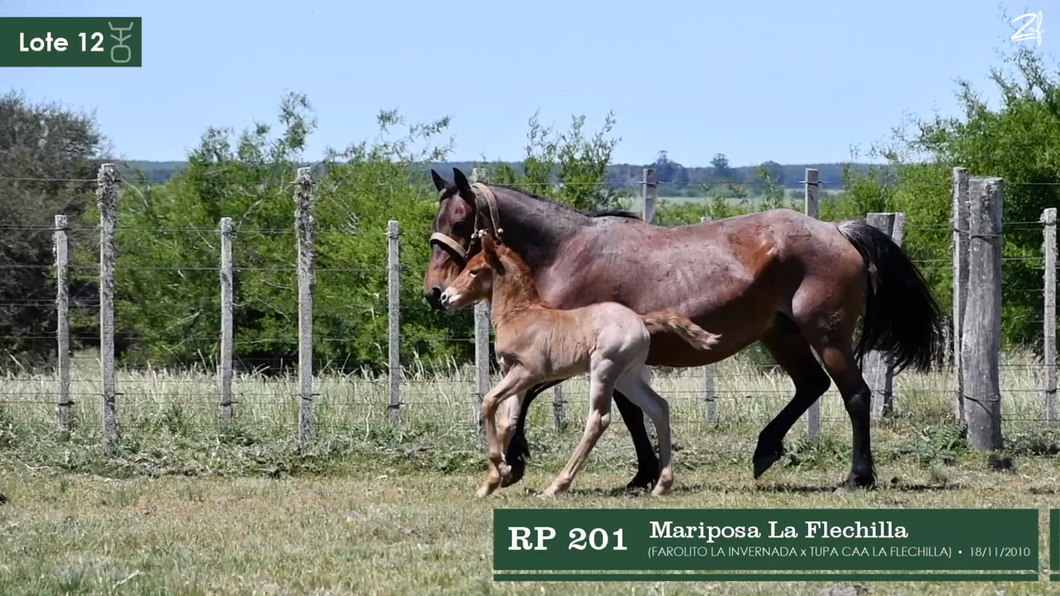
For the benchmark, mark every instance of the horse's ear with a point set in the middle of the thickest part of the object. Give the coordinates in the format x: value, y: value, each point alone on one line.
x: 489, y: 247
x: 461, y: 181
x: 487, y: 243
x: 439, y: 183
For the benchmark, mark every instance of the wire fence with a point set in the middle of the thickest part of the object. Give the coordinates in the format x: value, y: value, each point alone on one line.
x: 265, y: 389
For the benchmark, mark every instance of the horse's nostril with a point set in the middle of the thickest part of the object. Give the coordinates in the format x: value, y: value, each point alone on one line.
x: 434, y: 297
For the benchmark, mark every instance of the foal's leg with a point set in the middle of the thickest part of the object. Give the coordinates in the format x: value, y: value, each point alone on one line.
x: 792, y: 352
x: 515, y: 382
x: 509, y: 419
x: 518, y: 451
x: 640, y: 392
x: 603, y: 374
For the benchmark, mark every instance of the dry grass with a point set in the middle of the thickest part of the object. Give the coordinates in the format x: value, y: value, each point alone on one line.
x: 393, y: 533
x: 376, y: 510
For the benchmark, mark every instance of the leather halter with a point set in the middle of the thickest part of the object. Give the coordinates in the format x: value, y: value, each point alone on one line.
x: 480, y: 190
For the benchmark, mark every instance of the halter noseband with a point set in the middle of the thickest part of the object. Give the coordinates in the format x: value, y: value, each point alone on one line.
x: 491, y: 204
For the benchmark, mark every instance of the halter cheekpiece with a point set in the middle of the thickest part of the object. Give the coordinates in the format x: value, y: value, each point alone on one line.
x: 480, y: 190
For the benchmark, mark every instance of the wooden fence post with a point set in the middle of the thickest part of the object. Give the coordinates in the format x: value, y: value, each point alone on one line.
x: 710, y: 373
x: 304, y: 228
x: 393, y: 234
x: 227, y: 301
x: 649, y: 191
x: 62, y: 313
x: 1049, y: 330
x: 557, y: 408
x: 960, y: 283
x: 811, y: 186
x: 878, y: 370
x: 482, y: 342
x: 982, y: 321
x: 107, y: 194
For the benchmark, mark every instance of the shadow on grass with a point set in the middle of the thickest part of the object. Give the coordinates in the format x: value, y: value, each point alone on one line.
x: 777, y: 487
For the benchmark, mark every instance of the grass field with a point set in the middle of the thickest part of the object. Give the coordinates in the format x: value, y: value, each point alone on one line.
x: 189, y: 507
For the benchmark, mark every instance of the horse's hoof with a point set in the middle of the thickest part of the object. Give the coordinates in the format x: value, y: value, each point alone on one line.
x: 643, y: 481
x: 765, y: 457
x: 665, y: 483
x: 485, y: 490
x: 549, y: 494
x: 856, y: 481
x: 505, y: 472
x: 515, y: 474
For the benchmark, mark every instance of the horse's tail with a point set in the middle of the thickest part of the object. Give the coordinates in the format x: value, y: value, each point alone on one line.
x: 690, y: 332
x: 901, y: 319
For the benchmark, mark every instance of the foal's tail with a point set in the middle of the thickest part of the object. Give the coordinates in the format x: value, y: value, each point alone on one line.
x: 690, y: 332
x: 901, y: 317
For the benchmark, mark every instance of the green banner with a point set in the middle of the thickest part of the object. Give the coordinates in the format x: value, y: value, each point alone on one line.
x: 812, y: 540
x: 71, y: 41
x: 1054, y: 545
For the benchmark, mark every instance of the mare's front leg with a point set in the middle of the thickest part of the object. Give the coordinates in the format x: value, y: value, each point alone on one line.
x: 647, y: 463
x: 601, y: 384
x: 517, y: 381
x: 640, y: 392
x: 516, y: 449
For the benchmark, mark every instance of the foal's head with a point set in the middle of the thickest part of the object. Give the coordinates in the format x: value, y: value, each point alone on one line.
x: 494, y: 264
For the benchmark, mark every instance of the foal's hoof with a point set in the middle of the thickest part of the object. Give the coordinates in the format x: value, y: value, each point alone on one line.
x: 485, y: 490
x: 505, y: 472
x: 659, y: 490
x: 765, y: 456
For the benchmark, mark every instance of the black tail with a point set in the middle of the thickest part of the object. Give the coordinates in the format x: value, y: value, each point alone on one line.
x: 901, y: 318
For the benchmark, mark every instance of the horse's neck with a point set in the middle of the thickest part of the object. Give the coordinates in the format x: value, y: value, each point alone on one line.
x: 533, y: 228
x: 512, y: 298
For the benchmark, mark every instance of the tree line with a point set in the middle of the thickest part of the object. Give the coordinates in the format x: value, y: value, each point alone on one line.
x: 168, y: 307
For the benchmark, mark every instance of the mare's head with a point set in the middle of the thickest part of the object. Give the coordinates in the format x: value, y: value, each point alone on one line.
x: 455, y: 222
x: 490, y: 265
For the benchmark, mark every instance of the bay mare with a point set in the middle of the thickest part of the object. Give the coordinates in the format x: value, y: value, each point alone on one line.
x: 537, y: 343
x: 796, y: 284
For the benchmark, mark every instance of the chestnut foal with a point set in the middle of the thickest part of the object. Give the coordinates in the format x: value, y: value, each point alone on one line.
x: 537, y: 343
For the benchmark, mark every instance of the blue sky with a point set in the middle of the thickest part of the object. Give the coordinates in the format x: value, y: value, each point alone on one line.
x: 786, y: 81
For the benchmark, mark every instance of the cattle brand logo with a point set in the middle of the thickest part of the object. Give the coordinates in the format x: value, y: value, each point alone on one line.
x: 71, y: 41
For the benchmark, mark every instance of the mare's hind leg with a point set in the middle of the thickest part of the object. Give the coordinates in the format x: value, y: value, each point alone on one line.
x: 829, y: 329
x: 640, y: 392
x: 603, y: 374
x: 792, y: 352
x: 837, y: 355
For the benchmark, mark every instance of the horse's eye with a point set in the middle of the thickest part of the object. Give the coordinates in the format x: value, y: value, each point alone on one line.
x: 474, y: 273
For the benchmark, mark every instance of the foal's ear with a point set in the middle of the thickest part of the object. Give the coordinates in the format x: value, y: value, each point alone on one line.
x: 461, y: 181
x: 439, y: 183
x: 490, y: 248
x: 487, y: 243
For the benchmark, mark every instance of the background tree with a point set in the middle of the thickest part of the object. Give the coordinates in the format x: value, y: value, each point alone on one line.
x: 48, y: 159
x: 722, y: 171
x: 568, y: 167
x: 1019, y: 140
x: 168, y: 303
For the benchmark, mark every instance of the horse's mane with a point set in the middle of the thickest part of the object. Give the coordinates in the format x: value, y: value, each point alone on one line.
x: 598, y: 213
x: 613, y: 213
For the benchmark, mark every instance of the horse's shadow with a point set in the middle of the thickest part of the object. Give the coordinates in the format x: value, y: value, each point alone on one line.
x: 773, y: 487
